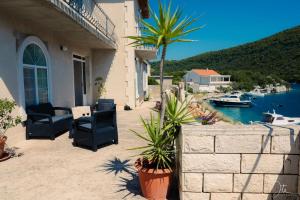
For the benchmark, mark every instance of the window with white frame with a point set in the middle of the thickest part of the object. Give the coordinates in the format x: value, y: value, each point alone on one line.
x: 35, y: 73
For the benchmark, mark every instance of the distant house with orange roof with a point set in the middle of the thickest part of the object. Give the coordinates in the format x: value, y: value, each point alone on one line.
x: 206, y: 80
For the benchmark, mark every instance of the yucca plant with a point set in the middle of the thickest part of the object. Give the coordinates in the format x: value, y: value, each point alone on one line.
x: 158, y: 153
x: 177, y: 114
x: 169, y: 27
x: 159, y: 150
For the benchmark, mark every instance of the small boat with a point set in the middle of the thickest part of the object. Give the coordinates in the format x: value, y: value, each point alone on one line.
x: 277, y: 119
x: 231, y: 101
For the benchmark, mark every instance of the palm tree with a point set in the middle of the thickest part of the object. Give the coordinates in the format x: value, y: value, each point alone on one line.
x: 169, y: 27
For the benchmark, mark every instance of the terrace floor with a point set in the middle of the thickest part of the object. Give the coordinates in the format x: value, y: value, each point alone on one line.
x: 57, y: 170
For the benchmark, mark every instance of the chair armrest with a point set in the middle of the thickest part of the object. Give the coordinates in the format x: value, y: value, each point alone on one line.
x: 38, y: 116
x: 63, y: 108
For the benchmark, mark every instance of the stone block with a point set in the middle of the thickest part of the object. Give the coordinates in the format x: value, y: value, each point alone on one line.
x: 192, y: 182
x: 198, y: 144
x: 238, y: 143
x: 285, y: 144
x: 225, y: 163
x: 248, y: 183
x: 217, y: 183
x: 249, y: 196
x: 226, y: 196
x: 262, y: 163
x: 291, y: 164
x: 195, y: 196
x: 280, y: 183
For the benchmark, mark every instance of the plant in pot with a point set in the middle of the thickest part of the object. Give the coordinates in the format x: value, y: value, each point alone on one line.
x: 7, y: 120
x: 157, y: 162
x: 99, y: 83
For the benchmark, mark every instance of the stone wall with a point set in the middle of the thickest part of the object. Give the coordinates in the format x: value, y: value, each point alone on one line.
x: 237, y: 162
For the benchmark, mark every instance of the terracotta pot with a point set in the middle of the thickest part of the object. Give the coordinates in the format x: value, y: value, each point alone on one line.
x: 154, y: 183
x: 2, y: 144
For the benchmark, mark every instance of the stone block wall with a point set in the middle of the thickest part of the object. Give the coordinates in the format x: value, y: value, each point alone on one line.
x: 237, y: 162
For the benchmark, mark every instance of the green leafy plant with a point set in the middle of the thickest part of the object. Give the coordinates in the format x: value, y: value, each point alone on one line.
x: 159, y: 152
x: 99, y: 83
x: 169, y: 27
x: 177, y: 113
x: 6, y: 119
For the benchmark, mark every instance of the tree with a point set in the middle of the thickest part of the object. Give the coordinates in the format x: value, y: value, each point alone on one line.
x: 169, y: 27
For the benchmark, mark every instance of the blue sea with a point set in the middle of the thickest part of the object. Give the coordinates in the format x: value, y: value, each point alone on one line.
x: 287, y: 104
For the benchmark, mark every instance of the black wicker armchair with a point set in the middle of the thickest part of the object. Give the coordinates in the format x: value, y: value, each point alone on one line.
x: 100, y: 128
x: 105, y: 104
x: 43, y: 122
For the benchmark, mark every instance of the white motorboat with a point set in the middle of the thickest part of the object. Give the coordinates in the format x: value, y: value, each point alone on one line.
x: 277, y: 119
x: 232, y: 100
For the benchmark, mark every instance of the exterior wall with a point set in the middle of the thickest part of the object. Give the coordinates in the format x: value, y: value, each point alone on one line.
x: 167, y: 82
x: 117, y: 67
x: 238, y: 162
x: 206, y: 88
x: 192, y: 77
x: 120, y: 67
x: 61, y: 71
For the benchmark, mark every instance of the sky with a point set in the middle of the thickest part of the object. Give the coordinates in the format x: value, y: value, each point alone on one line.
x: 230, y: 23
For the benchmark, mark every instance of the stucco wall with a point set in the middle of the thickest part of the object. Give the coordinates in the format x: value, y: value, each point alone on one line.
x: 238, y: 162
x: 12, y: 35
x: 121, y: 82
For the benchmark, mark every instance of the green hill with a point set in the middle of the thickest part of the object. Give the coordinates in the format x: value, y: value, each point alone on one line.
x: 275, y: 57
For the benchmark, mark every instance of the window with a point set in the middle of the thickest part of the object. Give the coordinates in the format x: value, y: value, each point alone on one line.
x: 35, y: 73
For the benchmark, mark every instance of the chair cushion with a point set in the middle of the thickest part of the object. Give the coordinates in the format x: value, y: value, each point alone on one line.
x: 100, y: 127
x: 85, y: 127
x: 57, y: 118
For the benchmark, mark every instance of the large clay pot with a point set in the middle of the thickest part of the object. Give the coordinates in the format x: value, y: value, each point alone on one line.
x: 154, y: 183
x: 2, y: 144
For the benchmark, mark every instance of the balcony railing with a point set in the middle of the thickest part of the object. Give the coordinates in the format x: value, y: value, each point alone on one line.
x: 94, y: 15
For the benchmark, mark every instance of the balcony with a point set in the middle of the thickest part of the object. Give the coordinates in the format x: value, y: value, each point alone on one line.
x: 146, y: 52
x: 78, y: 22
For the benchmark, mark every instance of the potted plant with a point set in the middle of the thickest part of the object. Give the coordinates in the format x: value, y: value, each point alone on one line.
x: 157, y: 163
x: 99, y: 83
x: 6, y: 121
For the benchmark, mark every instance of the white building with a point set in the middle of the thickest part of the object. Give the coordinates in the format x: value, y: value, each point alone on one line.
x: 53, y: 50
x: 206, y: 80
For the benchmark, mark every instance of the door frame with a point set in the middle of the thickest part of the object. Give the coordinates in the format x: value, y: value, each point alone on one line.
x: 82, y: 59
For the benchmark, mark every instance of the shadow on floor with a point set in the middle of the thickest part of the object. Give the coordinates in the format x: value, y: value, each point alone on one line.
x: 130, y: 181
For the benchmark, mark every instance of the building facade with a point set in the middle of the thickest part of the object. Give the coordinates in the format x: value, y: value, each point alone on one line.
x: 206, y: 80
x: 53, y: 50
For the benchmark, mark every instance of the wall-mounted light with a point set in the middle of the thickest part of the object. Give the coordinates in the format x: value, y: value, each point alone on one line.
x: 63, y: 48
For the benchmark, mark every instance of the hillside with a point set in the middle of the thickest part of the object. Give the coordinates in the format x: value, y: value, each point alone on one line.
x: 277, y: 56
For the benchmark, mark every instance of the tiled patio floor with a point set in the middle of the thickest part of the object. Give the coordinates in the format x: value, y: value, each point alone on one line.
x: 55, y: 170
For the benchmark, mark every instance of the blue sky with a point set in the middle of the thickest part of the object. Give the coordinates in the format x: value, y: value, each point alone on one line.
x: 232, y: 22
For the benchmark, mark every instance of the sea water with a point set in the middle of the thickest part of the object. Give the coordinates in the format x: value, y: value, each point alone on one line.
x: 287, y: 104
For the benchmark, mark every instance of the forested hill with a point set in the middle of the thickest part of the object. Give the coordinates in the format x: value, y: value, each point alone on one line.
x: 277, y: 56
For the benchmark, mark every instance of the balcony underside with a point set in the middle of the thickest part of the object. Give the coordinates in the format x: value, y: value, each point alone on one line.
x: 146, y: 53
x: 58, y: 19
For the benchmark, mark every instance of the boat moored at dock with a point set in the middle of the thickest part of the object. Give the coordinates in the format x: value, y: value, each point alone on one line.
x: 232, y: 100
